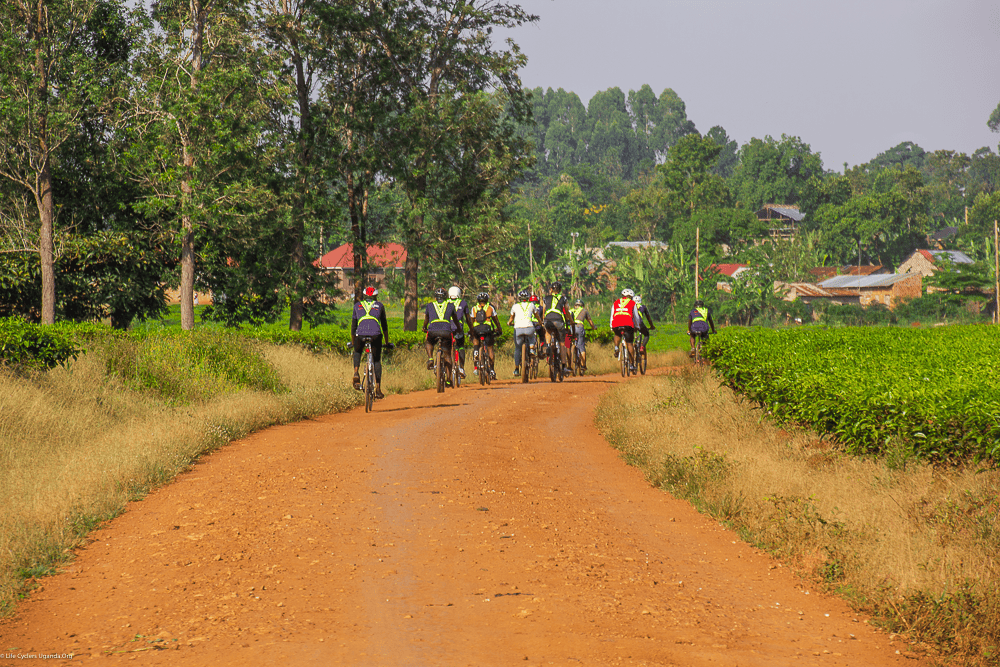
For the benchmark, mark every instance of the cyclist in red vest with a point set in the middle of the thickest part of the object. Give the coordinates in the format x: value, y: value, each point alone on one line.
x: 624, y: 321
x: 368, y: 323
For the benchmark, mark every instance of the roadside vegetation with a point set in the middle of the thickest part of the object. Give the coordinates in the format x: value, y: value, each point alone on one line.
x: 914, y: 544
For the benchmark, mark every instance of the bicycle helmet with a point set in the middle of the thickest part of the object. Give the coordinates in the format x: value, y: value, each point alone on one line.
x: 533, y: 299
x: 371, y: 292
x: 454, y: 292
x: 638, y: 300
x: 482, y: 297
x: 578, y: 302
x: 627, y: 292
x: 699, y: 303
x: 523, y: 295
x: 440, y: 294
x: 557, y: 286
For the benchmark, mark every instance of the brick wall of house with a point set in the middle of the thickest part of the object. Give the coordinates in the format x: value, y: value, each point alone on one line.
x: 907, y: 289
x: 917, y: 263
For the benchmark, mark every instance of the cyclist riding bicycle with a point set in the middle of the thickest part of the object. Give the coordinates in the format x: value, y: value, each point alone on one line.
x: 461, y: 313
x: 699, y: 322
x: 581, y: 315
x: 539, y: 327
x: 439, y: 322
x: 484, y: 324
x: 643, y: 330
x: 557, y: 319
x: 624, y: 322
x: 368, y: 324
x: 524, y: 318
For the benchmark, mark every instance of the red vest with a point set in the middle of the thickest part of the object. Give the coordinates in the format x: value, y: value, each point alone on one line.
x: 621, y: 313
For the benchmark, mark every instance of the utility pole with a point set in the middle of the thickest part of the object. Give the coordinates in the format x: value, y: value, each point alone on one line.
x: 697, y: 252
x: 531, y: 259
x: 576, y: 289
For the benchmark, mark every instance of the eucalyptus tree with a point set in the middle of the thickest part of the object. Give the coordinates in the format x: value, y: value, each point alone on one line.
x: 204, y: 95
x: 57, y: 70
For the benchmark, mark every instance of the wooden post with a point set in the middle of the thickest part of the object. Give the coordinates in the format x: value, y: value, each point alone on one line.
x: 531, y: 259
x: 697, y: 250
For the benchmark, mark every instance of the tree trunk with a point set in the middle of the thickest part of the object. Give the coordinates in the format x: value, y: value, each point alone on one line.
x: 358, y: 245
x: 187, y: 270
x: 43, y: 192
x: 298, y: 230
x: 46, y: 247
x: 188, y: 161
x: 410, y: 281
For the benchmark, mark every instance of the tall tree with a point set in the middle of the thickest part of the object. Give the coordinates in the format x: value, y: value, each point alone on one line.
x: 54, y: 76
x: 447, y: 132
x: 202, y: 102
x: 776, y: 171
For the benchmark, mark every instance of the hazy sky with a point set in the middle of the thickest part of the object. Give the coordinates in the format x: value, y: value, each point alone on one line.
x: 851, y: 78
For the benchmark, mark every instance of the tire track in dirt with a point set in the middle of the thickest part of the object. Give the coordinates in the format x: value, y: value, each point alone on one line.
x: 484, y: 526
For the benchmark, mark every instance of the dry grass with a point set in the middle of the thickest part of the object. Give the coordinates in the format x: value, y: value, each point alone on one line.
x: 915, y: 545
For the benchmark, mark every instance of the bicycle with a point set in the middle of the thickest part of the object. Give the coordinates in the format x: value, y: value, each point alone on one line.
x: 555, y: 359
x: 456, y: 377
x: 700, y: 339
x: 626, y: 360
x: 440, y: 374
x: 368, y: 379
x: 483, y: 363
x: 641, y: 358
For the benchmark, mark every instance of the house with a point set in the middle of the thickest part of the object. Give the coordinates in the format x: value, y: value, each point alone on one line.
x: 782, y: 220
x: 938, y: 238
x: 383, y: 259
x: 728, y: 270
x: 887, y: 289
x: 926, y: 262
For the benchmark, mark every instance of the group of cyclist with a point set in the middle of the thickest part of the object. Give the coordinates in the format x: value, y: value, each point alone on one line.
x: 537, y: 323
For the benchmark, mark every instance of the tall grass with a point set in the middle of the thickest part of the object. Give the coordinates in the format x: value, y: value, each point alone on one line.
x: 917, y: 546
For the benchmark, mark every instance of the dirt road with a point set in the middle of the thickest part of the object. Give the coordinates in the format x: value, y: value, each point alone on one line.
x: 478, y: 527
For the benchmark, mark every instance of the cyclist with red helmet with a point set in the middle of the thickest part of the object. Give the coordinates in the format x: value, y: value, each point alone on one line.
x: 439, y: 320
x: 368, y: 324
x: 625, y: 320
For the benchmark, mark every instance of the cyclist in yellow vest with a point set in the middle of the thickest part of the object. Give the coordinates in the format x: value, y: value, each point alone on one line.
x: 699, y: 322
x: 557, y: 318
x: 484, y: 326
x: 439, y: 318
x: 580, y: 315
x: 368, y: 323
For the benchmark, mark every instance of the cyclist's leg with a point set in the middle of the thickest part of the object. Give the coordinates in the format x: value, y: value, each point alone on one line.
x: 563, y: 350
x: 359, y: 346
x: 630, y: 343
x: 521, y: 338
x: 618, y: 340
x: 460, y: 346
x: 581, y: 344
x: 429, y: 348
x: 377, y: 359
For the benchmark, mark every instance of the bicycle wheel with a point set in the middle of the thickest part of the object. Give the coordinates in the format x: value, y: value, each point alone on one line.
x: 456, y: 379
x: 369, y: 383
x: 525, y: 362
x: 623, y: 356
x: 577, y: 362
x: 642, y: 360
x: 477, y: 363
x: 486, y: 367
x: 697, y: 350
x: 439, y: 369
x: 552, y: 362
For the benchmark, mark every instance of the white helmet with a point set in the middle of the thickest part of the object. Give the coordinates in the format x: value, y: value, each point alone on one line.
x: 638, y: 300
x: 627, y: 292
x: 454, y: 292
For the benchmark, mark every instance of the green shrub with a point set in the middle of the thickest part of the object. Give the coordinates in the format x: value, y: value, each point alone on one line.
x: 191, y: 366
x: 25, y: 346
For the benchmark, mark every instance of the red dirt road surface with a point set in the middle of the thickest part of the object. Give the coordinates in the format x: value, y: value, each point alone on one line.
x: 477, y: 527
